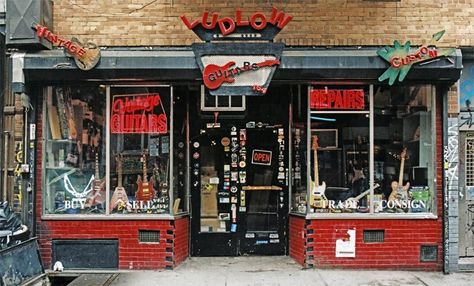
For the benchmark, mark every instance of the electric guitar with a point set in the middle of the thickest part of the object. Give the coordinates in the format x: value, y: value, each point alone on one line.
x: 400, y: 192
x: 317, y: 191
x: 352, y: 203
x: 98, y: 195
x: 119, y: 198
x: 214, y: 76
x: 145, y: 190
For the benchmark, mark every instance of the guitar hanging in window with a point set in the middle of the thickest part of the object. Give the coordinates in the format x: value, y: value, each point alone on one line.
x: 145, y: 190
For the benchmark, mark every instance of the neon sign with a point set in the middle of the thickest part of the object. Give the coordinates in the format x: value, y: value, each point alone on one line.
x: 138, y: 113
x: 353, y: 99
x: 401, y: 59
x: 258, y: 21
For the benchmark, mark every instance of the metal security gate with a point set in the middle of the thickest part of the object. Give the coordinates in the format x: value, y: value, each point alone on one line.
x: 466, y: 200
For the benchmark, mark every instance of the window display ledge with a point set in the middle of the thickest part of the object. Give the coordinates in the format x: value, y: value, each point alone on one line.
x: 115, y: 217
x: 371, y: 216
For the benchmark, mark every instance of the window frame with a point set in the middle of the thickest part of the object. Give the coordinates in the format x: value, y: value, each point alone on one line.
x: 47, y: 91
x: 371, y: 215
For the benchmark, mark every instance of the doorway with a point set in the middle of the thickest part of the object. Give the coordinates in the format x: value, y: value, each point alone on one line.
x: 240, y: 179
x: 466, y: 201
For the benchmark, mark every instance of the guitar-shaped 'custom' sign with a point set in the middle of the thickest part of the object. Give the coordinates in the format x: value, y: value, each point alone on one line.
x: 119, y: 198
x: 145, y: 188
x: 214, y: 76
x: 317, y: 191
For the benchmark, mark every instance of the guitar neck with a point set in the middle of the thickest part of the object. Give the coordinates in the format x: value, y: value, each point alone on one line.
x: 316, y: 171
x: 402, y: 166
x: 97, y: 165
x: 145, y: 171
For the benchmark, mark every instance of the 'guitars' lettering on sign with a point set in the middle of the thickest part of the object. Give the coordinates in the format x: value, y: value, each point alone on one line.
x: 139, y: 113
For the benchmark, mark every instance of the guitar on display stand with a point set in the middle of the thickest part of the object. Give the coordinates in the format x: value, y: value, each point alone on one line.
x: 98, y: 194
x: 353, y: 203
x: 399, y: 191
x: 145, y: 190
x: 119, y: 198
x: 317, y: 192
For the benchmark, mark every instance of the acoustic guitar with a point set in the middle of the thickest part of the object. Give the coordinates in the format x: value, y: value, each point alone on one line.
x: 317, y: 192
x: 98, y: 194
x: 214, y: 76
x: 119, y: 198
x: 145, y: 190
x: 400, y: 192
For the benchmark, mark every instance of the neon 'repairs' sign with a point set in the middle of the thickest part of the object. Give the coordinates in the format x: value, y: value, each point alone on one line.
x: 353, y: 99
x: 138, y: 113
x: 401, y: 58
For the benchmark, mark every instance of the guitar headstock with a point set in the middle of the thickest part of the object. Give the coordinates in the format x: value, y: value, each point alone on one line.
x: 119, y: 160
x: 314, y: 142
x: 144, y: 156
x: 403, y: 154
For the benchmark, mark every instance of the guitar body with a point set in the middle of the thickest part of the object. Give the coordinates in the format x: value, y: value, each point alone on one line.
x: 220, y: 74
x: 145, y: 191
x: 119, y: 198
x: 98, y: 194
x: 399, y: 192
x: 353, y: 202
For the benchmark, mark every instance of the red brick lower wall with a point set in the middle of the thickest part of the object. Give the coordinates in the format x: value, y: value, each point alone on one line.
x: 297, y: 232
x: 168, y: 253
x: 400, y: 249
x: 181, y: 241
x: 313, y: 243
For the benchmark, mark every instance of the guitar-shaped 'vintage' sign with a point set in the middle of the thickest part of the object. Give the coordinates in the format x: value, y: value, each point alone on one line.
x: 317, y: 191
x: 214, y: 76
x: 119, y: 198
x: 145, y: 190
x: 400, y: 192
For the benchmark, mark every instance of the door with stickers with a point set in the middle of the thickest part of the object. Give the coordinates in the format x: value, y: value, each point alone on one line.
x: 214, y: 197
x: 239, y: 190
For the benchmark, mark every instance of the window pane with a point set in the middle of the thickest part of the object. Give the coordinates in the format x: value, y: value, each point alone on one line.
x: 403, y: 149
x: 74, y: 147
x: 339, y: 163
x: 180, y: 162
x: 140, y: 150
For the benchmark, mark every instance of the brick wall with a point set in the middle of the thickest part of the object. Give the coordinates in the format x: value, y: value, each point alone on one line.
x: 168, y: 253
x: 319, y: 23
x: 403, y: 238
x: 297, y: 232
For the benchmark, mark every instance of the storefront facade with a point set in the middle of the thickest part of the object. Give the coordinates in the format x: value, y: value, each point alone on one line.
x: 317, y: 153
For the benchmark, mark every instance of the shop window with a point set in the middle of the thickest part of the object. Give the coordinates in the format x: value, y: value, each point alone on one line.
x: 115, y: 161
x: 369, y: 150
x: 74, y: 150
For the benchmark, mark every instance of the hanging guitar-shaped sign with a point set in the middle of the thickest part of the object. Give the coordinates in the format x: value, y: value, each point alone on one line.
x: 214, y: 76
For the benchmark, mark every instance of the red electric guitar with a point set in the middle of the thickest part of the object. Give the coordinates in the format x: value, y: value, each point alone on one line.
x: 145, y: 190
x: 214, y: 76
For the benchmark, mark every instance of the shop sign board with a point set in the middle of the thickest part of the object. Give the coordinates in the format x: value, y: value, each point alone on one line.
x: 258, y: 26
x: 139, y: 114
x: 85, y: 56
x: 261, y: 157
x: 238, y: 68
x: 335, y: 99
x: 401, y: 57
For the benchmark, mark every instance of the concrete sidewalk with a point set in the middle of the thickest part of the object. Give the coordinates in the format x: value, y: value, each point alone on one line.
x: 280, y: 270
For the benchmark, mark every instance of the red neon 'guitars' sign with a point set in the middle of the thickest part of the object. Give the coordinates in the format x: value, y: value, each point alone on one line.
x: 337, y: 99
x: 138, y: 113
x: 227, y: 25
